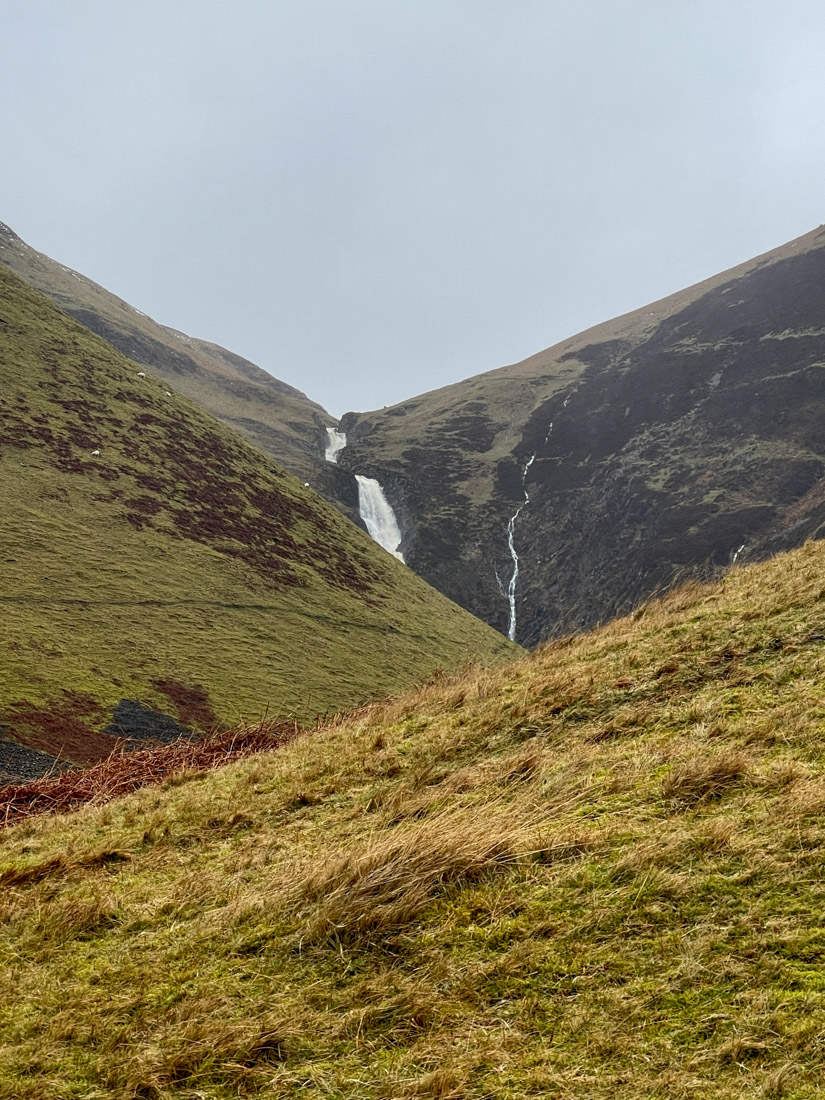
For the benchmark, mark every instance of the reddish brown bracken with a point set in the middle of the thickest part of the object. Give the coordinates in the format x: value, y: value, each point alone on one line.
x: 125, y: 771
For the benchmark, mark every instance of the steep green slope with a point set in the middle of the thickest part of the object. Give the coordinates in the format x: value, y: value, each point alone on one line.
x: 665, y: 441
x: 152, y: 558
x: 595, y: 873
x: 279, y: 419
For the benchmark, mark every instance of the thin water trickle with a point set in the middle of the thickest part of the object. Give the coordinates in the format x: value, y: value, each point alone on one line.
x: 511, y: 527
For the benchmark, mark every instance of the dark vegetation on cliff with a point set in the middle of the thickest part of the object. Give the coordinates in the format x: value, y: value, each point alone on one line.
x: 160, y: 574
x: 665, y: 443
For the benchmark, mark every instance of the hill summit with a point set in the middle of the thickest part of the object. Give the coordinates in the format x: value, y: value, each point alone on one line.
x: 278, y: 418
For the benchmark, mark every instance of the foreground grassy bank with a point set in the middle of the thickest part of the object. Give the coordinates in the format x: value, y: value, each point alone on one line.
x: 595, y: 872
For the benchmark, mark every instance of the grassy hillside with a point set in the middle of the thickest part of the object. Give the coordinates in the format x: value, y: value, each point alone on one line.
x: 152, y: 558
x: 593, y: 873
x: 277, y: 418
x: 667, y: 440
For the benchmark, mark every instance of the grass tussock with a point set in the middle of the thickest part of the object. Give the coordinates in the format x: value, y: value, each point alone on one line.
x: 704, y: 777
x: 195, y: 1050
x: 361, y: 895
x: 595, y: 872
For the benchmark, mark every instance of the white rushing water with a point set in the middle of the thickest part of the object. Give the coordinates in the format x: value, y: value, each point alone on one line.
x: 511, y: 527
x: 336, y: 441
x: 373, y: 506
x: 376, y: 512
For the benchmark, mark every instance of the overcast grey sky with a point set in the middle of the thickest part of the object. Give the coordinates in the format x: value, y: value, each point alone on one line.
x: 373, y: 198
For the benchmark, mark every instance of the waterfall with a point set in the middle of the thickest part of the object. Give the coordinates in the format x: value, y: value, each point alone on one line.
x: 510, y: 594
x: 374, y: 508
x: 376, y: 512
x: 336, y: 441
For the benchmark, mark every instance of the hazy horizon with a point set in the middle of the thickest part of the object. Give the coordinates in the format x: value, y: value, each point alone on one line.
x: 376, y: 199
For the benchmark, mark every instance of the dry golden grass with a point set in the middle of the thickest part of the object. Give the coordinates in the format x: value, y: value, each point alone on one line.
x: 384, y: 886
x: 700, y: 778
x: 595, y: 873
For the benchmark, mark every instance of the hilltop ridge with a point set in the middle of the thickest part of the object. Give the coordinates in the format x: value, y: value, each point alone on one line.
x: 278, y: 418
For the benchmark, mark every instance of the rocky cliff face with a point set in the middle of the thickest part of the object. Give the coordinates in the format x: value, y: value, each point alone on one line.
x: 671, y: 442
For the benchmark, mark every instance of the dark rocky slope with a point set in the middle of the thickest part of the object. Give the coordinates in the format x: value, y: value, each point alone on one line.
x: 669, y: 442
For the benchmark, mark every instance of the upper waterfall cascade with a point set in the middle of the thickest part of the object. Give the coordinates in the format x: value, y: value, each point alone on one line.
x: 336, y: 441
x: 374, y: 508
